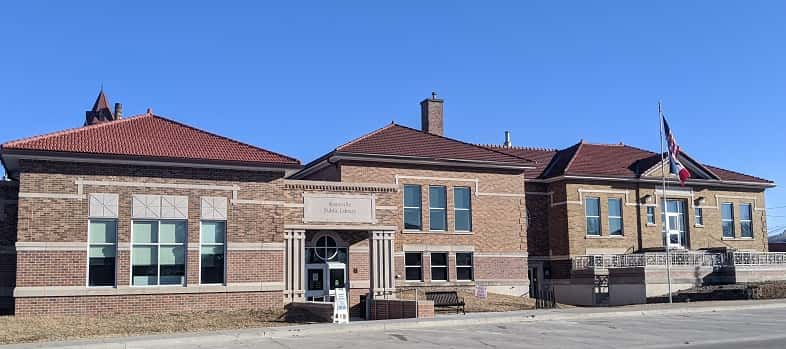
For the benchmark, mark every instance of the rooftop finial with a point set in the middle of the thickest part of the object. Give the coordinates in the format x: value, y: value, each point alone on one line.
x: 433, y: 95
x: 507, y: 143
x: 149, y: 111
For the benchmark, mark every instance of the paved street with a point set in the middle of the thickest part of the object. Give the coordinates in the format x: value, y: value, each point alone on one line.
x: 586, y: 328
x: 748, y: 329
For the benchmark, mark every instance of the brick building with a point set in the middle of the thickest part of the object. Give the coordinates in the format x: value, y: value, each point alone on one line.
x: 602, y: 204
x: 146, y: 214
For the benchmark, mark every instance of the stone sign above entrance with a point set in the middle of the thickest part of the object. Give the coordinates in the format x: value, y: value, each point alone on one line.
x: 338, y: 208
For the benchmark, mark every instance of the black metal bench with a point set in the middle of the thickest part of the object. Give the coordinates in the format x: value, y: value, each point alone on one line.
x: 447, y: 299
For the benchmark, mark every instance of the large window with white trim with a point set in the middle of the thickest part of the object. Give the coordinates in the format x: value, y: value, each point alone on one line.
x: 615, y: 216
x: 413, y: 265
x: 212, y: 252
x: 102, y: 252
x: 412, y: 207
x: 464, y: 270
x: 462, y: 209
x: 727, y: 219
x: 439, y: 266
x: 437, y: 205
x: 158, y: 252
x: 592, y: 212
x: 746, y: 221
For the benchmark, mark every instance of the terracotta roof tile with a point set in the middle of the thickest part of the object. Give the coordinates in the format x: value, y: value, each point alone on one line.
x: 151, y: 136
x: 609, y: 160
x: 540, y: 157
x: 397, y: 140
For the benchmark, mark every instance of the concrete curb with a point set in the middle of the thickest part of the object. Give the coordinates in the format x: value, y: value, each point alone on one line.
x: 573, y: 314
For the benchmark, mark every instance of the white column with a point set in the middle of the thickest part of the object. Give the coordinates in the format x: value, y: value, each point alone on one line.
x: 294, y: 262
x: 381, y: 262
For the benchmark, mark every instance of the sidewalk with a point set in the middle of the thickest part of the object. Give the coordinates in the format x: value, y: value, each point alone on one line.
x: 218, y: 337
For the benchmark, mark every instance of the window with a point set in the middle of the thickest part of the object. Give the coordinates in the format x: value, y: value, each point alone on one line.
x: 615, y: 216
x: 699, y: 216
x: 102, y: 234
x: 412, y: 204
x: 463, y: 209
x: 439, y: 267
x: 727, y: 219
x: 212, y: 242
x: 158, y: 253
x: 464, y: 266
x: 651, y: 215
x: 592, y: 207
x: 437, y: 203
x: 746, y: 221
x: 413, y: 263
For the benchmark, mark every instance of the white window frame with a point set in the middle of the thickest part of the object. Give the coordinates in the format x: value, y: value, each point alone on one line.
x: 651, y: 215
x: 698, y: 216
x: 455, y: 208
x: 158, y: 245
x: 446, y: 266
x: 419, y: 208
x: 89, y: 245
x: 748, y: 221
x: 224, y: 282
x: 610, y: 217
x: 471, y: 267
x: 419, y: 266
x: 587, y: 217
x: 731, y: 219
x: 443, y: 209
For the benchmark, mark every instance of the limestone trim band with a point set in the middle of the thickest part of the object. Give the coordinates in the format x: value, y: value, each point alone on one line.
x: 365, y: 227
x: 255, y: 246
x: 70, y: 291
x: 340, y: 186
x: 52, y: 196
x: 438, y: 248
x: 123, y: 246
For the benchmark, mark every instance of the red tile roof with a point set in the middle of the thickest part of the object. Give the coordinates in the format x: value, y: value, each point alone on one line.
x: 151, y: 136
x: 604, y: 160
x: 540, y: 157
x: 397, y: 140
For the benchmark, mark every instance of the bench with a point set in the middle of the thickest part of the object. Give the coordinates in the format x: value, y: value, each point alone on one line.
x: 446, y: 299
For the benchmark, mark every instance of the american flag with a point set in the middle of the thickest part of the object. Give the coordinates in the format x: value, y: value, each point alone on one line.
x: 675, y: 166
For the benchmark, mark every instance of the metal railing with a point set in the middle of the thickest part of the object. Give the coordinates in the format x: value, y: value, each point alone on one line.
x: 705, y: 259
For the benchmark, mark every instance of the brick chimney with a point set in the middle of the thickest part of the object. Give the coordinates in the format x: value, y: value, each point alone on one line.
x: 431, y: 115
x: 118, y: 111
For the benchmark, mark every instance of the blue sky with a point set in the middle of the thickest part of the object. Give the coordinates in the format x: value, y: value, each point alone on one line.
x: 303, y: 77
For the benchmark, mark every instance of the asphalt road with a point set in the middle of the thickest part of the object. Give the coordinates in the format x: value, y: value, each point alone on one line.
x: 726, y: 329
x: 748, y: 328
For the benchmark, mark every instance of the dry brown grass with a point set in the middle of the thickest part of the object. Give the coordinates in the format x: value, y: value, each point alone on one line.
x: 493, y: 303
x: 54, y: 328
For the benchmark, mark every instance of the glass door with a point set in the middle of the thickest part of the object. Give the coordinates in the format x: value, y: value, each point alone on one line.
x: 674, y: 233
x: 316, y: 287
x: 337, y: 278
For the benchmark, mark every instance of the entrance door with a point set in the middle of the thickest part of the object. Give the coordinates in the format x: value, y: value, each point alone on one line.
x: 323, y: 279
x: 675, y: 235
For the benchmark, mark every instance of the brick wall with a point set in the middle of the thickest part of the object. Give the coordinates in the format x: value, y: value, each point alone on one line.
x: 64, y: 220
x: 567, y: 221
x: 144, y: 304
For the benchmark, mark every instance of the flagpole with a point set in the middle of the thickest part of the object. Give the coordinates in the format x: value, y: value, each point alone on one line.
x: 665, y: 221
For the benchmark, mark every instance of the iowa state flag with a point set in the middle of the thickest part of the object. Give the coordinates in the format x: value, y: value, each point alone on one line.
x: 676, y: 166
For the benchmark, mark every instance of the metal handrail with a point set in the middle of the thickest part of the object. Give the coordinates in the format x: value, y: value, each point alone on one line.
x: 707, y: 259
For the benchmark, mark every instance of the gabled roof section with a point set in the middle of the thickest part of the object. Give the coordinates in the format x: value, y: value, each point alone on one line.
x: 400, y: 141
x: 149, y: 137
x: 541, y: 157
x: 614, y: 161
x: 101, y: 102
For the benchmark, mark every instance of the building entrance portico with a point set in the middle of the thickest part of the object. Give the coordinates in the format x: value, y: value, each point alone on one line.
x: 326, y: 267
x: 318, y: 262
